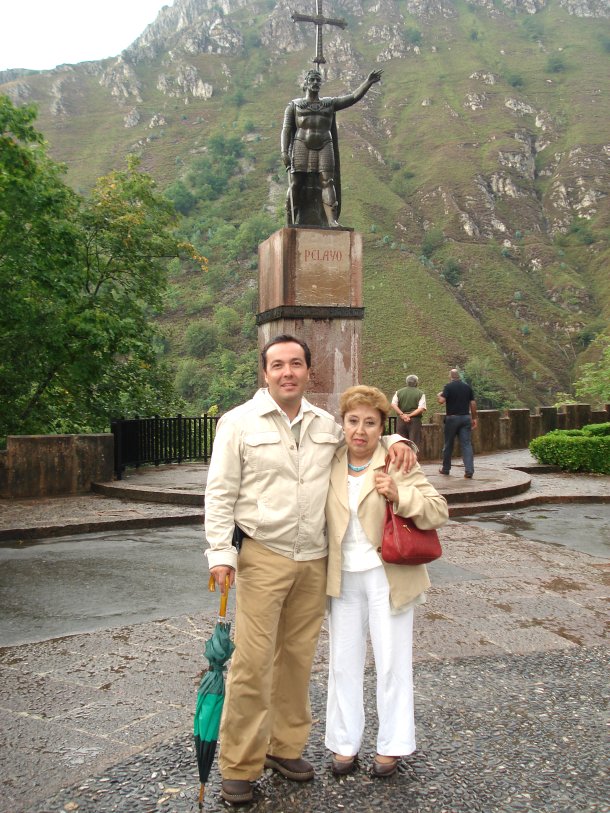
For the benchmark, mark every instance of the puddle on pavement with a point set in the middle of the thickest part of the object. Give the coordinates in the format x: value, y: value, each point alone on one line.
x: 581, y: 527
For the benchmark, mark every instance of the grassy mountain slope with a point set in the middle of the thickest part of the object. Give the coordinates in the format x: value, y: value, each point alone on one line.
x: 477, y: 173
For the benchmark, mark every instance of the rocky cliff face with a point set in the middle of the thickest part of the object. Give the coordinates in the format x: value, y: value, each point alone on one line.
x: 577, y: 177
x: 189, y: 27
x: 486, y: 129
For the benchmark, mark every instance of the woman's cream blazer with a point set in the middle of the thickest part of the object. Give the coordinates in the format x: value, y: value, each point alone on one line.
x: 418, y: 499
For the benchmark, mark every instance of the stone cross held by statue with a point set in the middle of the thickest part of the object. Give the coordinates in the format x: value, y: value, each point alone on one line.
x: 318, y: 20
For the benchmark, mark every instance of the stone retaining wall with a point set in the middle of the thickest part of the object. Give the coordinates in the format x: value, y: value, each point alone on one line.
x: 499, y: 430
x: 54, y: 465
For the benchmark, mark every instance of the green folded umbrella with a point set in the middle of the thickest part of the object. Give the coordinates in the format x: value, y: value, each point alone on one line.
x: 211, y: 693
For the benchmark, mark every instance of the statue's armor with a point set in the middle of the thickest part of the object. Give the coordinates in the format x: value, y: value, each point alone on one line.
x: 304, y: 159
x: 309, y: 136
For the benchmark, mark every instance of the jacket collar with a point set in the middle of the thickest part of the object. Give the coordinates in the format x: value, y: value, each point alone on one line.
x: 339, y: 473
x: 265, y: 404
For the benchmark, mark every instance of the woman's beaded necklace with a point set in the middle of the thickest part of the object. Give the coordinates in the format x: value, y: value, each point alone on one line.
x: 358, y: 468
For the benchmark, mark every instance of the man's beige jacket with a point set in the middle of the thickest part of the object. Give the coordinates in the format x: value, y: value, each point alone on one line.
x: 274, y: 489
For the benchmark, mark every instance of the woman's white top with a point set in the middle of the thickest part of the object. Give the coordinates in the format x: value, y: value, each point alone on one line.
x: 357, y: 551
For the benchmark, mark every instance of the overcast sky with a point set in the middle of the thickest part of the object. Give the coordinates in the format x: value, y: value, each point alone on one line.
x: 41, y: 34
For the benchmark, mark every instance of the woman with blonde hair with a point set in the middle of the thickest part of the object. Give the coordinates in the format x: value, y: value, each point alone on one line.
x: 367, y: 595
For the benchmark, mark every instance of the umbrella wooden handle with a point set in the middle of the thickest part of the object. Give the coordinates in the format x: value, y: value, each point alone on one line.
x: 224, y: 597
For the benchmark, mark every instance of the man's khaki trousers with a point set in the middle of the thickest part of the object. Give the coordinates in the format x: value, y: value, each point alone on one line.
x: 280, y: 608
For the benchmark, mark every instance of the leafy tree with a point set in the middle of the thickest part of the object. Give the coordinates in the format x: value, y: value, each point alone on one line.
x: 594, y: 381
x: 183, y: 198
x: 201, y: 338
x: 190, y: 379
x: 487, y: 392
x: 79, y: 281
x: 227, y: 321
x: 252, y: 232
x: 231, y: 378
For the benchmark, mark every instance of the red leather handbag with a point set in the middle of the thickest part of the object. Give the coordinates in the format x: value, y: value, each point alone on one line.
x: 403, y: 543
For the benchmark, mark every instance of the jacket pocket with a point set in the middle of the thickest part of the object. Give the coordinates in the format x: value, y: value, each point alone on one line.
x: 325, y: 446
x: 263, y: 450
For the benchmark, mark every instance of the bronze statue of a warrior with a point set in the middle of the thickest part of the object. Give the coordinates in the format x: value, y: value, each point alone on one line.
x: 310, y: 151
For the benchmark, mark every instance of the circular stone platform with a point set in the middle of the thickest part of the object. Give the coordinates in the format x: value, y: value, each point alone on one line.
x: 488, y: 483
x: 185, y: 485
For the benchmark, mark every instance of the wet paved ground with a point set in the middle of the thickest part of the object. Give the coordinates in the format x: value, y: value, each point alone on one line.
x: 511, y: 680
x: 72, y: 584
x: 580, y: 527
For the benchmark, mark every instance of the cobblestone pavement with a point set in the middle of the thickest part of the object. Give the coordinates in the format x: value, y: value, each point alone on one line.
x: 511, y: 673
x: 495, y: 734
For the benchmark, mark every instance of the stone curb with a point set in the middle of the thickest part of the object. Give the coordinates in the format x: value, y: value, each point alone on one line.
x: 149, y: 494
x: 69, y: 529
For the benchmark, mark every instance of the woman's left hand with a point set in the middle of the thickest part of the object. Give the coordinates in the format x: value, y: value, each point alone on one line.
x: 386, y: 486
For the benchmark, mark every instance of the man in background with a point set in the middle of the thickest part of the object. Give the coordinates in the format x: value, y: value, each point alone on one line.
x: 460, y: 420
x: 409, y: 403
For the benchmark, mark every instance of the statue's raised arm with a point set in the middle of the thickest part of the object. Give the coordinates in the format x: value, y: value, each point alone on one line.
x: 310, y: 152
x: 341, y: 102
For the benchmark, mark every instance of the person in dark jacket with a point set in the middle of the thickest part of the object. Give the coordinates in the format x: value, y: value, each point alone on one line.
x: 460, y: 420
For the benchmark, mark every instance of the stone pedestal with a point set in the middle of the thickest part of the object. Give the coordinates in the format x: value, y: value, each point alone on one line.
x: 310, y: 286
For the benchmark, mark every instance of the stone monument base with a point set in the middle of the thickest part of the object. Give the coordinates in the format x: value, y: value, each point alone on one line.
x: 310, y: 286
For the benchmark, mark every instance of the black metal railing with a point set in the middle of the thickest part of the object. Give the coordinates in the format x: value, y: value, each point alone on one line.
x: 138, y: 441
x: 390, y: 425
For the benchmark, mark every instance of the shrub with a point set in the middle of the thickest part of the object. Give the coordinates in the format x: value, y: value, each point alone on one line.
x: 555, y: 64
x: 586, y: 449
x: 452, y: 272
x: 533, y: 28
x: 582, y: 230
x: 413, y: 36
x: 227, y: 321
x: 201, y: 338
x: 433, y: 239
x: 597, y: 429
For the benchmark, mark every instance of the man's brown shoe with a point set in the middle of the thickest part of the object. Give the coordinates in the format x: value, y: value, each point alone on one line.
x: 299, y: 770
x: 236, y: 791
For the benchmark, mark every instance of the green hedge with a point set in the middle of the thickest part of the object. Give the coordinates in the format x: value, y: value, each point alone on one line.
x: 586, y: 449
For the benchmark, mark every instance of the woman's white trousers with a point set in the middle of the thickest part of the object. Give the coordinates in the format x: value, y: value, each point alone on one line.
x: 364, y: 607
